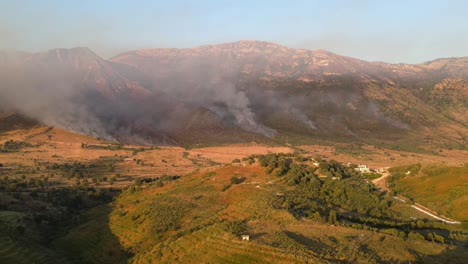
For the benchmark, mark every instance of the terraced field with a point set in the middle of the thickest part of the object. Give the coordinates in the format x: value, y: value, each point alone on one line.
x: 213, y: 245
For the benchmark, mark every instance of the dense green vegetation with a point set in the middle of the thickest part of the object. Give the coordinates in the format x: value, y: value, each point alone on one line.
x: 48, y: 174
x: 94, y: 169
x: 36, y: 209
x: 353, y: 150
x: 344, y: 197
x: 32, y: 220
x: 116, y: 147
x: 12, y: 146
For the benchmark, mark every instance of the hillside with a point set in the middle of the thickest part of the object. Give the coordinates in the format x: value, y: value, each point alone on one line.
x: 76, y: 90
x: 275, y: 90
x: 70, y: 198
x: 441, y: 188
x: 451, y: 96
x: 13, y: 121
x: 203, y: 215
x: 233, y: 92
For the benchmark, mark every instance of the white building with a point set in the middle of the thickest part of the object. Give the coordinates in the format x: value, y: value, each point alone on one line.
x: 362, y: 168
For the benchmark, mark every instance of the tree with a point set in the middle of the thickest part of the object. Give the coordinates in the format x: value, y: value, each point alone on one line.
x: 20, y: 229
x: 237, y: 227
x: 282, y: 166
x: 159, y: 184
x: 438, y: 238
x: 415, y: 236
x: 332, y: 217
x: 430, y: 237
x: 235, y: 180
x: 317, y: 217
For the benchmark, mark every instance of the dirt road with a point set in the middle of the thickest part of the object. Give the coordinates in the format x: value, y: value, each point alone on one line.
x: 382, y: 181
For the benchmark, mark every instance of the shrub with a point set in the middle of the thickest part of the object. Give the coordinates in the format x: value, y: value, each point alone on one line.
x: 235, y: 180
x: 236, y: 227
x: 332, y: 217
x: 435, y: 238
x: 415, y: 236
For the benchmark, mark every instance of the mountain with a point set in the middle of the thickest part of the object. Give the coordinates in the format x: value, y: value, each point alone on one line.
x: 77, y: 90
x: 307, y: 92
x: 251, y: 58
x: 237, y: 91
x: 12, y: 121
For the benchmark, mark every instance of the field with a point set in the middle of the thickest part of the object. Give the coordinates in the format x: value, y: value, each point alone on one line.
x: 380, y: 157
x: 52, y: 145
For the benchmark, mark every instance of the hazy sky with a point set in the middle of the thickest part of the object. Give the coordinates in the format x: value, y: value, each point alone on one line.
x: 393, y: 31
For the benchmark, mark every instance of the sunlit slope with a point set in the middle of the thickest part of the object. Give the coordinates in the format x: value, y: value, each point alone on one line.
x: 439, y: 187
x: 201, y: 217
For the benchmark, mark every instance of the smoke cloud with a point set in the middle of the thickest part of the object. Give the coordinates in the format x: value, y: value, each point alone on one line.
x: 183, y: 98
x: 39, y: 94
x: 238, y: 105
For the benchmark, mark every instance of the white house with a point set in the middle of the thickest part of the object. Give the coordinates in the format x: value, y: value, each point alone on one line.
x: 362, y: 168
x: 246, y: 237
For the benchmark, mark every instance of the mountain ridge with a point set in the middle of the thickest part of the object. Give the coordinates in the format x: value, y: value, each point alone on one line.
x: 239, y: 88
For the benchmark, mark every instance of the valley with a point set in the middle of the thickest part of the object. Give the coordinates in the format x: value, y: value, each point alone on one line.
x: 174, y: 155
x: 233, y: 132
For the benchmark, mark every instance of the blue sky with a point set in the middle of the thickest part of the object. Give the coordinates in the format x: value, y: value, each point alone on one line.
x: 392, y: 31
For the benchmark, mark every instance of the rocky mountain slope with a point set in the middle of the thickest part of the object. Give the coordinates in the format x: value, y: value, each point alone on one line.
x: 77, y: 90
x: 234, y: 92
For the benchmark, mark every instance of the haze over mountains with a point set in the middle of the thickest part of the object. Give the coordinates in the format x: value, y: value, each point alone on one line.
x: 235, y: 91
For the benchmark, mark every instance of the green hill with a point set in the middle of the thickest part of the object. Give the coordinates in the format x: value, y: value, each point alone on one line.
x: 292, y: 218
x: 439, y: 187
x: 292, y: 211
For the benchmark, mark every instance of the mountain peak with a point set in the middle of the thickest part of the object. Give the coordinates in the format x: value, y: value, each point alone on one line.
x: 83, y: 52
x: 79, y: 57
